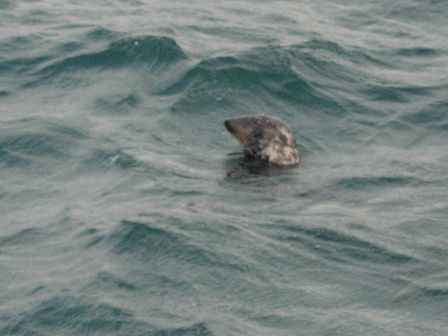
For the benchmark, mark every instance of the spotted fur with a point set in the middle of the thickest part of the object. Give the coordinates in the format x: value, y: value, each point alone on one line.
x: 265, y: 138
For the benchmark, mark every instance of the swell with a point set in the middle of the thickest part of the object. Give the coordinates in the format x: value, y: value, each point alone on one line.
x: 433, y: 115
x: 420, y: 292
x: 260, y: 73
x: 88, y: 53
x: 65, y: 314
x: 125, y: 52
x: 148, y: 242
x: 317, y: 76
x: 89, y: 316
x: 23, y: 237
x: 424, y: 295
x: 339, y: 246
x: 20, y: 144
x: 153, y: 51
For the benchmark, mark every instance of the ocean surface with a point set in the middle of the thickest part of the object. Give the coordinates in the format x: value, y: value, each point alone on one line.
x: 124, y: 207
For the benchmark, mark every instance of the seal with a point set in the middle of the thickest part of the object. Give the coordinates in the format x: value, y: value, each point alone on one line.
x: 266, y: 139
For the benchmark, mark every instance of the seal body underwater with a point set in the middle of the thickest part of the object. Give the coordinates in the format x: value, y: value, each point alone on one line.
x: 266, y: 139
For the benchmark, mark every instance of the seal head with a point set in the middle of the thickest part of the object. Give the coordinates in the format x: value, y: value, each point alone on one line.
x: 266, y: 139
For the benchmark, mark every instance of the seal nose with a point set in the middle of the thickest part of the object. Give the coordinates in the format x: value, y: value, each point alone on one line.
x: 228, y: 125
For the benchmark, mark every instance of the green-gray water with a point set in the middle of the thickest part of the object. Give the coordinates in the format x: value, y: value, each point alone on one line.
x: 123, y: 207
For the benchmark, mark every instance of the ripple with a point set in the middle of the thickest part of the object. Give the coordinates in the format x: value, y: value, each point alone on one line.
x: 418, y: 295
x: 417, y: 52
x: 4, y: 93
x: 106, y: 279
x: 6, y: 4
x: 101, y: 33
x: 68, y: 47
x: 117, y: 104
x: 197, y: 329
x: 23, y: 237
x: 23, y: 65
x: 395, y: 93
x: 10, y: 159
x: 91, y: 237
x: 103, y: 159
x: 33, y: 143
x: 20, y: 43
x: 432, y: 115
x: 369, y: 182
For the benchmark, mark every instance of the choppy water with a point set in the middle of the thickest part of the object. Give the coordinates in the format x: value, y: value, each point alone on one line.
x: 124, y: 211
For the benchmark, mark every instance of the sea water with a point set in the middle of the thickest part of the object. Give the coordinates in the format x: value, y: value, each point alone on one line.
x: 124, y: 209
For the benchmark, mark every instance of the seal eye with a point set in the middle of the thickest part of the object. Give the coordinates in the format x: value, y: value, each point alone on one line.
x: 256, y: 135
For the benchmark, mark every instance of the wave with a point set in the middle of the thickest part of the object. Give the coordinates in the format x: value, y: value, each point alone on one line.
x: 148, y: 243
x: 340, y: 246
x: 68, y: 314
x: 395, y: 94
x: 418, y: 293
x: 155, y: 51
x: 194, y: 329
x: 141, y: 239
x: 23, y: 65
x: 19, y: 146
x: 270, y: 73
x: 314, y: 75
